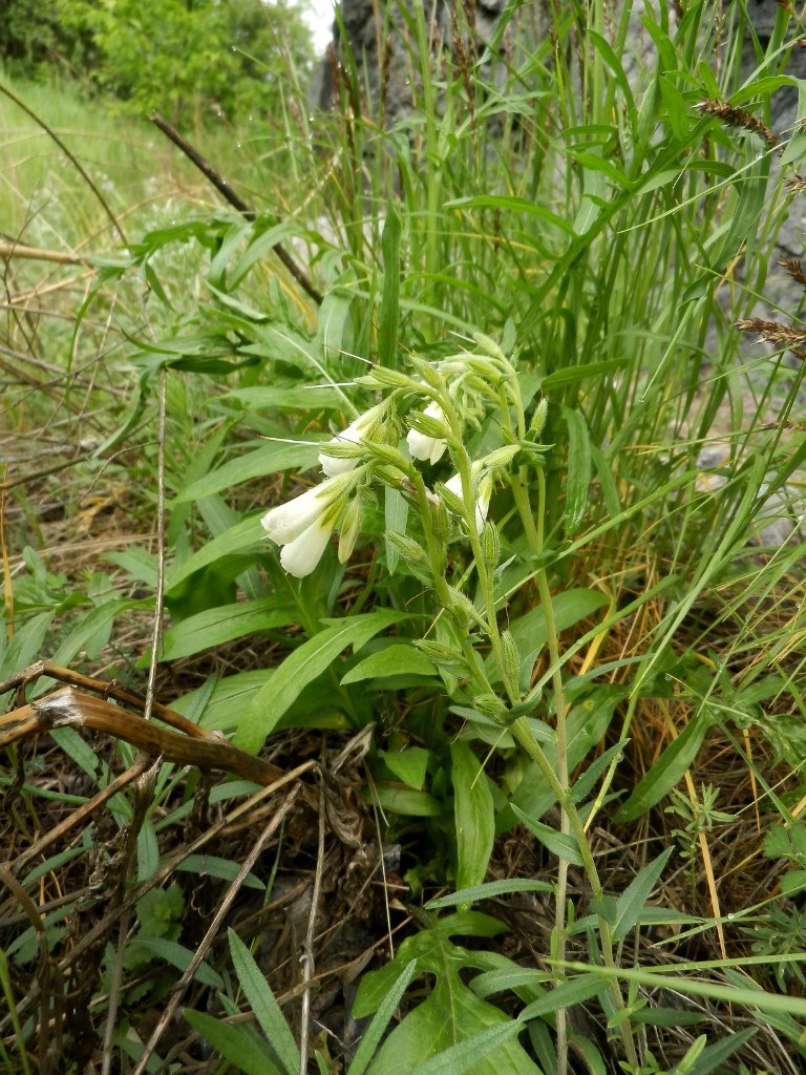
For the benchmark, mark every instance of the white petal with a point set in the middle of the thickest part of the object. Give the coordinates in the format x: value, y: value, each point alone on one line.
x: 300, y: 556
x: 333, y: 466
x: 483, y: 494
x: 287, y: 521
x: 424, y: 447
x: 454, y: 485
x: 355, y: 433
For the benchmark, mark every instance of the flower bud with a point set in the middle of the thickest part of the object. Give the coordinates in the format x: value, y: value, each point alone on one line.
x: 428, y: 373
x: 350, y: 529
x: 463, y: 604
x: 388, y: 455
x: 438, y: 652
x: 409, y: 549
x: 511, y: 660
x: 439, y: 526
x: 490, y: 705
x: 382, y: 377
x: 538, y: 422
x: 490, y: 546
x: 490, y: 346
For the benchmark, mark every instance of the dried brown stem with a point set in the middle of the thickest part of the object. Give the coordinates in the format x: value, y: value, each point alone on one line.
x: 68, y: 706
x: 35, y: 253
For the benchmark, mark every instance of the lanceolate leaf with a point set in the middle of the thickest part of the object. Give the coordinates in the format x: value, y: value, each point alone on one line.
x: 667, y: 770
x: 398, y: 659
x: 383, y: 1016
x: 218, y: 625
x: 262, y: 1002
x: 632, y: 900
x: 465, y: 1055
x: 267, y: 459
x: 390, y: 297
x: 246, y: 534
x: 473, y: 813
x: 579, y: 469
x: 236, y: 1044
x: 560, y: 844
x: 303, y: 666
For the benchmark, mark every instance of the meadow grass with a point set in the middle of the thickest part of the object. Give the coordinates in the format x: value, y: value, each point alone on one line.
x: 613, y: 663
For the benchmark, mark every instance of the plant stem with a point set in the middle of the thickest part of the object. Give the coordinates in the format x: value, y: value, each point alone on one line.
x: 570, y: 821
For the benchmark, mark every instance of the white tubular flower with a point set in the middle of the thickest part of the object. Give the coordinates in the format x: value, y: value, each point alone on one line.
x: 304, y: 525
x: 355, y: 433
x: 300, y: 556
x: 424, y: 447
x: 482, y: 496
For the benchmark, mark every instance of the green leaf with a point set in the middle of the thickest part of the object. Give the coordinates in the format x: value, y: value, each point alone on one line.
x: 505, y: 203
x: 236, y: 1044
x: 451, y: 1015
x: 84, y: 635
x: 383, y: 1016
x: 303, y: 666
x: 396, y: 513
x: 177, y: 955
x: 389, y: 314
x: 25, y: 646
x: 215, y: 866
x: 746, y: 994
x: 667, y: 770
x: 473, y: 816
x: 565, y: 995
x: 714, y: 1056
x: 408, y: 802
x: 408, y: 765
x: 585, y: 371
x: 489, y: 891
x: 247, y: 534
x: 267, y: 459
x: 465, y: 1055
x: 561, y: 844
x: 78, y: 749
x: 264, y: 1005
x: 585, y: 783
x: 579, y: 469
x: 303, y: 397
x: 215, y: 626
x: 631, y: 901
x: 397, y: 659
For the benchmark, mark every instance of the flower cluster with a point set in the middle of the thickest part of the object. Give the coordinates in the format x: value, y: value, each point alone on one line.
x: 303, y: 526
x: 446, y: 397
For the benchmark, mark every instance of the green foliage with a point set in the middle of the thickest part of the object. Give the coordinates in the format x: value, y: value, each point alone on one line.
x: 452, y: 1016
x: 538, y: 612
x: 36, y: 42
x: 193, y: 62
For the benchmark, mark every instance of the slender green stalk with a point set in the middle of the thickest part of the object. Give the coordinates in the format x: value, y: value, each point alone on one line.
x: 570, y: 821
